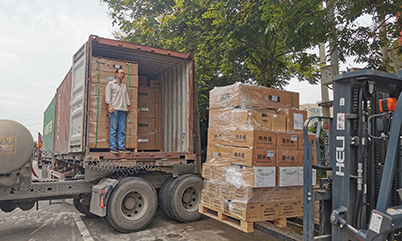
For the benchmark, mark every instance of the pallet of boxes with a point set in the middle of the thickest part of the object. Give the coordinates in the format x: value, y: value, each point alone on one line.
x: 254, y: 161
x: 143, y: 122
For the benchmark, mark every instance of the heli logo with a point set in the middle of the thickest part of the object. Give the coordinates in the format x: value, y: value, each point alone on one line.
x: 340, y: 156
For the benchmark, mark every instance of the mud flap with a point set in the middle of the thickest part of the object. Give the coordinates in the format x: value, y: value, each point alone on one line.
x: 100, y: 195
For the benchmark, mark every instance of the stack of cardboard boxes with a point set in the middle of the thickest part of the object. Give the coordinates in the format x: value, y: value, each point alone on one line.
x: 143, y: 122
x: 150, y: 115
x: 254, y: 157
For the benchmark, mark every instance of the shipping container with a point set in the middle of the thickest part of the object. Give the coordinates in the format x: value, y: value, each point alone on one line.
x: 62, y: 115
x: 167, y: 105
x: 48, y: 128
x: 162, y: 132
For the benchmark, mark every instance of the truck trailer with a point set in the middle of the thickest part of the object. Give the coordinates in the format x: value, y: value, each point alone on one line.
x: 162, y: 133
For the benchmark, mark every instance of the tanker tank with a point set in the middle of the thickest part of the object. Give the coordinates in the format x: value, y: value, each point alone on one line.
x: 16, y: 146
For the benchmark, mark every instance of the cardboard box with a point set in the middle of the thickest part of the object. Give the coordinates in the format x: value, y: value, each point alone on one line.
x: 97, y: 92
x: 269, y: 194
x: 111, y: 65
x: 155, y: 84
x: 245, y: 194
x: 313, y: 178
x: 207, y: 171
x: 251, y: 96
x: 241, y: 156
x: 218, y: 204
x: 149, y: 133
x: 288, y: 176
x: 220, y: 172
x: 99, y: 129
x: 149, y: 95
x: 274, y: 122
x: 269, y: 211
x: 149, y: 110
x: 225, y: 191
x: 259, y: 176
x: 289, y: 209
x: 234, y: 117
x: 142, y: 81
x: 246, y: 212
x: 206, y: 199
x: 251, y: 176
x: 212, y: 187
x: 242, y: 138
x: 288, y: 141
x: 300, y: 139
x: 294, y: 119
x: 292, y: 192
x: 151, y: 141
x: 149, y: 125
x: 288, y: 158
x: 104, y: 78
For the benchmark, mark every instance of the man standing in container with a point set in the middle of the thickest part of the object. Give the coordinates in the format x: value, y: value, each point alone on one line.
x: 116, y: 96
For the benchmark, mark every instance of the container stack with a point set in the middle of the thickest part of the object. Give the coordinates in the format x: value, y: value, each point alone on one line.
x: 255, y: 155
x: 143, y: 122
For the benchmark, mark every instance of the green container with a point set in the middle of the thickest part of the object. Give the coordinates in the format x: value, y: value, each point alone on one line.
x: 48, y: 128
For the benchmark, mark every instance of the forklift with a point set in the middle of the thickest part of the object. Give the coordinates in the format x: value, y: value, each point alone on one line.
x: 362, y: 200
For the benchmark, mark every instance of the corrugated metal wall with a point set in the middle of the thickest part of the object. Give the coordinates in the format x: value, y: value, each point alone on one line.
x: 48, y: 127
x: 175, y: 108
x: 77, y: 101
x: 62, y: 116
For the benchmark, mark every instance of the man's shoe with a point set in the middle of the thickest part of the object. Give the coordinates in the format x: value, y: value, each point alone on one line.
x: 114, y: 151
x: 124, y: 150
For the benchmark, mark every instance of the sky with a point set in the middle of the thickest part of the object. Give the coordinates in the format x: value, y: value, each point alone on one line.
x: 38, y: 39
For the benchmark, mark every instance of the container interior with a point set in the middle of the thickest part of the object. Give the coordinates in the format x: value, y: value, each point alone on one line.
x: 174, y: 74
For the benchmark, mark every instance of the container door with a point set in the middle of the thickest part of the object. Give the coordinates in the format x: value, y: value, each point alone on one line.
x: 77, y: 100
x: 48, y: 129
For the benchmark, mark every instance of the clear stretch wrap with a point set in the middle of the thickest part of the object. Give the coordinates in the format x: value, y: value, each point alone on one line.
x: 252, y: 96
x: 230, y: 189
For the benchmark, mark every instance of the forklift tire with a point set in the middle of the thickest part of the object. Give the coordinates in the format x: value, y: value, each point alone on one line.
x: 162, y: 197
x: 132, y: 205
x: 82, y: 208
x: 185, y: 197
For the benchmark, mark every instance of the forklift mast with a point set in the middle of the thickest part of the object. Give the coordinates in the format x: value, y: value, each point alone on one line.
x: 364, y: 156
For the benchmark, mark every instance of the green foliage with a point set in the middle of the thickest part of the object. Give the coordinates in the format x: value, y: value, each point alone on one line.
x: 256, y: 41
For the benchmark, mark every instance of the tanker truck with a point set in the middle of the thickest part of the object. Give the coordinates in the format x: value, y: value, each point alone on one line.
x: 162, y: 133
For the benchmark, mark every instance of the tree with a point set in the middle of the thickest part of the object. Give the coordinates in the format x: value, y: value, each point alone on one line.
x: 353, y: 37
x: 229, y: 39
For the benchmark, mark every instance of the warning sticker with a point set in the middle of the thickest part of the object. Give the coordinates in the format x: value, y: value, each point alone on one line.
x: 342, y: 101
x: 375, y: 222
x: 340, y: 121
x: 8, y: 145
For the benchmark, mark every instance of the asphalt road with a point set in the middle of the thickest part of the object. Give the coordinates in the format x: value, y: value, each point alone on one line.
x: 60, y: 221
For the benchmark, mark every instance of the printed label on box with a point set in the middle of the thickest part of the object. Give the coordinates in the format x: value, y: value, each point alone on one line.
x: 293, y: 137
x: 264, y: 176
x: 270, y: 153
x: 298, y: 121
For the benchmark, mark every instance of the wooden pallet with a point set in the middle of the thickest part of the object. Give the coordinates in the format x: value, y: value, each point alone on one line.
x: 280, y: 222
x: 231, y: 220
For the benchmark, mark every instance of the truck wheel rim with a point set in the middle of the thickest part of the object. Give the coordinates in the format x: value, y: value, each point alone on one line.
x: 190, y: 199
x: 134, y: 205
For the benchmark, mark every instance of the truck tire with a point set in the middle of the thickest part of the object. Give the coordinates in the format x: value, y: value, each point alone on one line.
x: 7, y: 206
x: 82, y: 208
x: 132, y: 205
x: 185, y: 197
x: 162, y: 197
